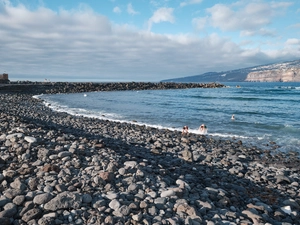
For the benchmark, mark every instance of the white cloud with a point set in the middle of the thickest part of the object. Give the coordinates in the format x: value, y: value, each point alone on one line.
x: 291, y: 48
x: 117, y: 10
x: 130, y: 10
x: 250, y: 18
x: 293, y: 41
x: 199, y: 23
x: 281, y: 5
x: 261, y: 32
x: 161, y: 15
x: 190, y: 2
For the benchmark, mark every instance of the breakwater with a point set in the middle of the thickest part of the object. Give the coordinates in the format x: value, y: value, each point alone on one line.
x: 69, y: 87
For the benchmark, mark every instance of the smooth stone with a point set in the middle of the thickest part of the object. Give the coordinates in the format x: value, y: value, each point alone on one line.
x: 30, y: 139
x: 167, y: 193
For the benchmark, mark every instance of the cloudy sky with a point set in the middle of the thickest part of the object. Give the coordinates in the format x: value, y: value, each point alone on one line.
x: 143, y: 40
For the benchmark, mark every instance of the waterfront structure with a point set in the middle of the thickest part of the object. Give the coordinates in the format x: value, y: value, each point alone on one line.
x: 4, y: 78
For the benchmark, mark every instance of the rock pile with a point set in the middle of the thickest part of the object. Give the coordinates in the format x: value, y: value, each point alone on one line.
x: 57, y: 168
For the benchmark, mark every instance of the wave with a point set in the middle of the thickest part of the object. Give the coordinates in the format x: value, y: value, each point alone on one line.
x: 287, y: 87
x: 202, y: 97
x: 37, y: 96
x: 80, y: 111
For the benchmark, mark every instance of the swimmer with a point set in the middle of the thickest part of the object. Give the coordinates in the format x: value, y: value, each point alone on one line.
x: 185, y: 130
x: 203, y: 129
x: 232, y: 117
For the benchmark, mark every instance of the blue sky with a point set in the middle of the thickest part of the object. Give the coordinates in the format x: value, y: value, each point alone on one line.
x: 139, y: 40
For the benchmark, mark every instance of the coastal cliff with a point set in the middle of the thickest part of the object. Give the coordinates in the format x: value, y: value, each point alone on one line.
x: 276, y: 72
x: 275, y: 75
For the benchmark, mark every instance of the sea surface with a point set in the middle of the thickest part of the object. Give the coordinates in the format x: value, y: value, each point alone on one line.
x: 267, y: 115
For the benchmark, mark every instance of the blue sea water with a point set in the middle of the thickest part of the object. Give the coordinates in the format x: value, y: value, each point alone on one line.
x: 264, y: 112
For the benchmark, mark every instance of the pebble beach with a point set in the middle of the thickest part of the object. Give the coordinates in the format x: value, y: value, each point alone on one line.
x: 57, y: 168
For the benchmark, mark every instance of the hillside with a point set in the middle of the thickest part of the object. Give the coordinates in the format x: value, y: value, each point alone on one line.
x: 277, y: 72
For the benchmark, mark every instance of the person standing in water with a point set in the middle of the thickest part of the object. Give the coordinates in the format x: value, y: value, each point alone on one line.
x: 185, y: 130
x: 203, y: 129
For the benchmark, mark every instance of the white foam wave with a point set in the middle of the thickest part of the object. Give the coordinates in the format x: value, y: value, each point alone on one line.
x: 287, y: 87
x: 37, y: 96
x: 79, y: 111
x: 224, y: 135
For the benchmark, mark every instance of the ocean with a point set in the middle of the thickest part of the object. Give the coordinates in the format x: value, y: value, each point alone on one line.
x: 267, y: 115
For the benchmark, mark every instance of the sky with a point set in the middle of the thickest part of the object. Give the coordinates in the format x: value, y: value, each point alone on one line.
x: 143, y: 40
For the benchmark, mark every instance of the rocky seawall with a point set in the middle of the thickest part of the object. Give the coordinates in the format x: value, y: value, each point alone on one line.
x: 69, y: 87
x: 57, y: 168
x: 276, y: 75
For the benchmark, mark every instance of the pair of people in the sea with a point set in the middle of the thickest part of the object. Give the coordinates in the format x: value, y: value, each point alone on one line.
x: 185, y: 130
x: 203, y: 129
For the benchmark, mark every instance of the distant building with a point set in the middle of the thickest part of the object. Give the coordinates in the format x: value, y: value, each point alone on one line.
x: 4, y: 78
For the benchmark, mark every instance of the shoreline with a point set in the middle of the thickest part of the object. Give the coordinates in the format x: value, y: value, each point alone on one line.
x: 122, y: 173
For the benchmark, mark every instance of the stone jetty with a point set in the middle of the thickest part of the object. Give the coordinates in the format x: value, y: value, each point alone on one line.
x: 69, y: 87
x: 57, y: 168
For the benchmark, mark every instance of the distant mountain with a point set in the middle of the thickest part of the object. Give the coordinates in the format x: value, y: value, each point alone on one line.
x: 277, y: 72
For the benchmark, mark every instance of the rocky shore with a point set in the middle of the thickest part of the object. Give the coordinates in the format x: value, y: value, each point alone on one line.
x: 57, y: 168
